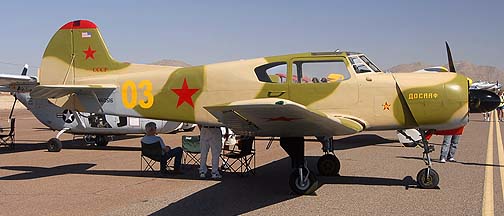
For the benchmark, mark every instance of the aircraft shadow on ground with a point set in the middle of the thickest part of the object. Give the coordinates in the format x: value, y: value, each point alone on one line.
x: 361, y: 140
x: 71, y: 144
x: 457, y: 162
x: 233, y: 195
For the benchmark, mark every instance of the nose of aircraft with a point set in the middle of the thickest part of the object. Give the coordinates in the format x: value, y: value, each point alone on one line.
x: 481, y: 101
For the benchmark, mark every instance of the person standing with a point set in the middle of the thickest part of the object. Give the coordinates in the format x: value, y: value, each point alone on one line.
x: 450, y: 144
x: 500, y: 108
x: 210, y: 139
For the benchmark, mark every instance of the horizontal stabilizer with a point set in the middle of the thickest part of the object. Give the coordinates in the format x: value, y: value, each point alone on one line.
x: 57, y: 91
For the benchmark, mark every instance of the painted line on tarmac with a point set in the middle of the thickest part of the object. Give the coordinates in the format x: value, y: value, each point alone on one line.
x: 488, y: 198
x: 500, y: 151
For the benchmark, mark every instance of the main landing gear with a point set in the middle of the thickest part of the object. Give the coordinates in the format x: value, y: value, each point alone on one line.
x: 99, y: 140
x: 302, y: 181
x: 54, y: 144
x: 427, y: 178
x: 328, y: 164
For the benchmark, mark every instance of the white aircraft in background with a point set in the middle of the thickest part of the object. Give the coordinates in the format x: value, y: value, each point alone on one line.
x: 490, y: 86
x: 96, y: 128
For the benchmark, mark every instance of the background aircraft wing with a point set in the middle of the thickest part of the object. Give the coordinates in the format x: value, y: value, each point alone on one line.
x: 9, y: 82
x: 280, y: 117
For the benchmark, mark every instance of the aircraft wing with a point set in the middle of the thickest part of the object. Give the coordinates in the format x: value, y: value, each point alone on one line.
x: 57, y: 91
x: 280, y: 117
x: 9, y: 82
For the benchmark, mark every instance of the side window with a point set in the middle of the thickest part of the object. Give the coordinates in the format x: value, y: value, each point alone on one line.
x: 275, y: 72
x: 320, y: 71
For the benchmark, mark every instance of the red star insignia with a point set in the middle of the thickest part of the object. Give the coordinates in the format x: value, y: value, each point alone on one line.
x: 386, y: 106
x: 282, y: 118
x: 185, y: 94
x: 89, y: 52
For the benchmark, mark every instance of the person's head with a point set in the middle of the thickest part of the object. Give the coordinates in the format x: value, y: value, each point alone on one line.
x: 150, y: 128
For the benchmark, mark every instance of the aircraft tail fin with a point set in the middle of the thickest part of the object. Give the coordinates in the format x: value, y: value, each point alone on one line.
x: 75, y: 51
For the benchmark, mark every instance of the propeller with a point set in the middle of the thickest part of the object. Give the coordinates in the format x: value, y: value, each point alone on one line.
x: 480, y: 101
x: 451, y: 66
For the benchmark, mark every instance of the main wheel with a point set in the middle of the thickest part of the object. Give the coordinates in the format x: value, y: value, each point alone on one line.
x: 89, y: 139
x: 54, y: 145
x: 299, y: 186
x: 328, y: 165
x: 430, y: 181
x: 101, y: 140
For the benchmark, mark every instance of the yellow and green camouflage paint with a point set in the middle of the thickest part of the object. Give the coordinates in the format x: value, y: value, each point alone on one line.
x: 77, y: 55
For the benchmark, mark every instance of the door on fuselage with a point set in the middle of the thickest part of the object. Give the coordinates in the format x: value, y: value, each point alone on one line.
x: 323, y: 83
x: 274, y: 76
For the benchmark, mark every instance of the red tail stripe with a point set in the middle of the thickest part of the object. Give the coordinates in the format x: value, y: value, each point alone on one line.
x: 79, y: 24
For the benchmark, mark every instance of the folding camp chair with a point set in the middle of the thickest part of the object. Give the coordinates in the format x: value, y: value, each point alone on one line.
x: 7, y: 140
x: 191, y: 147
x: 152, y: 153
x: 242, y: 159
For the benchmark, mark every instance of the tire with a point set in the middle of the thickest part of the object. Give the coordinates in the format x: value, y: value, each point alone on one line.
x: 428, y: 182
x: 89, y: 139
x: 101, y: 140
x: 54, y: 145
x: 295, y: 184
x: 328, y: 165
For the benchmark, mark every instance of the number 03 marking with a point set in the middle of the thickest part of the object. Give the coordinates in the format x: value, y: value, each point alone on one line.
x: 130, y: 94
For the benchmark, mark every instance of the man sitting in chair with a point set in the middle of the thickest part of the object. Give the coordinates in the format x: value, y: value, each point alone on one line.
x: 151, y: 138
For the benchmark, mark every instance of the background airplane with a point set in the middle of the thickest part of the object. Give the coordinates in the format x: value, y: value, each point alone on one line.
x: 95, y: 128
x: 78, y: 72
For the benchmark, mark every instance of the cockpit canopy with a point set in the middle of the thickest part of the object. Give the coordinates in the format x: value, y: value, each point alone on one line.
x: 316, y: 67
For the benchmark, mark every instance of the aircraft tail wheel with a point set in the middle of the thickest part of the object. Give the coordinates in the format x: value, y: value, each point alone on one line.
x: 328, y: 165
x: 101, y: 140
x: 54, y: 145
x: 303, y: 186
x: 428, y: 181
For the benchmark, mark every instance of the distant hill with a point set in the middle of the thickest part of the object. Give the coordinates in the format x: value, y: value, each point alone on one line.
x: 473, y: 71
x: 170, y: 62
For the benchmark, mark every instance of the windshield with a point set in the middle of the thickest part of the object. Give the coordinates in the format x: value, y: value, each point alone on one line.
x: 362, y: 64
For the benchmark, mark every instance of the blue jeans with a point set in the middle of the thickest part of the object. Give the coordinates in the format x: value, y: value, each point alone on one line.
x: 450, y: 143
x: 177, y: 153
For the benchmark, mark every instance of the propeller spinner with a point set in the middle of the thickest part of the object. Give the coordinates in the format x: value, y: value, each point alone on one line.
x: 480, y: 101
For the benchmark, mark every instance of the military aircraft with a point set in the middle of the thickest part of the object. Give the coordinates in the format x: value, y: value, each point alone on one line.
x: 94, y: 127
x: 78, y: 72
x: 490, y: 86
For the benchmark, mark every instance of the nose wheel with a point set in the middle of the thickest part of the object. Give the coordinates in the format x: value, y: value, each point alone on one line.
x: 328, y: 165
x: 428, y: 178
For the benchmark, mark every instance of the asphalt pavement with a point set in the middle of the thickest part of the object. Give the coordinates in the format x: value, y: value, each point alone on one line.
x: 378, y: 177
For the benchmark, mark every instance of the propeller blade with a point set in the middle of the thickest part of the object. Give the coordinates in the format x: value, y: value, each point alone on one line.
x: 451, y: 66
x: 25, y: 70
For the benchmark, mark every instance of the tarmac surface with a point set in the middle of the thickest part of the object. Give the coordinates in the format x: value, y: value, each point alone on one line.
x: 378, y: 177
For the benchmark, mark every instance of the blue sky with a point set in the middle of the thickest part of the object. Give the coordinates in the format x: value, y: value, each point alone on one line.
x: 201, y: 32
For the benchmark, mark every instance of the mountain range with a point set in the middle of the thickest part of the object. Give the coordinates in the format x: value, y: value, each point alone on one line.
x: 473, y: 71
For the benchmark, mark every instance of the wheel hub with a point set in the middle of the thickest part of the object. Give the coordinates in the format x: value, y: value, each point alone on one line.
x: 302, y: 185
